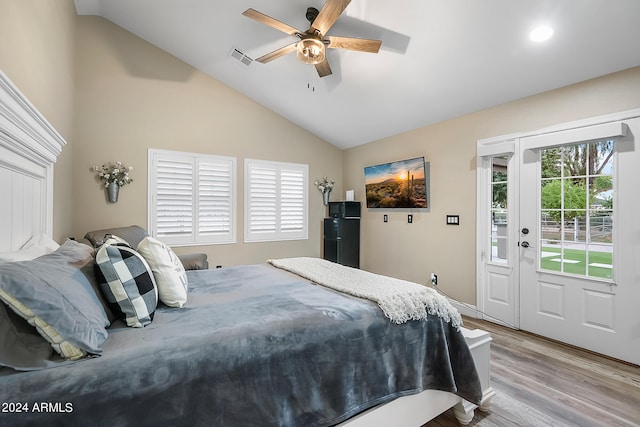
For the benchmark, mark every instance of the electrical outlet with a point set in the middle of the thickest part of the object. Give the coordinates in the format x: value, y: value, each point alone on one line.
x: 434, y: 279
x: 410, y: 218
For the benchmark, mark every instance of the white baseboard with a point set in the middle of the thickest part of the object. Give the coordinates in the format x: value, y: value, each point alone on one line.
x: 472, y: 312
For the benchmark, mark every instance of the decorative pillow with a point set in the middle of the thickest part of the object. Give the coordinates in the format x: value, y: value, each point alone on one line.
x: 168, y: 271
x: 127, y: 282
x: 54, y: 295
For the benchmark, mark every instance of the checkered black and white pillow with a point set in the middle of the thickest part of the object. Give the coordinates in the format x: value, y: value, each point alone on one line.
x: 127, y: 282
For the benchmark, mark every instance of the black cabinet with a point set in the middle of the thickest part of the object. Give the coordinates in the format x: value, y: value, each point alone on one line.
x: 344, y: 209
x: 342, y: 241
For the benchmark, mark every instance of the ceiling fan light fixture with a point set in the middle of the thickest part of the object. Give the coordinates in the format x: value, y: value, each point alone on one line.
x: 311, y: 46
x: 310, y: 51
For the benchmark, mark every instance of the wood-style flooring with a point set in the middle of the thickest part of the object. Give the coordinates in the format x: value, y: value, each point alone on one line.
x: 540, y: 382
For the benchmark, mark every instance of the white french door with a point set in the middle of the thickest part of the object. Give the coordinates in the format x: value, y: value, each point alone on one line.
x: 498, y: 293
x: 571, y: 270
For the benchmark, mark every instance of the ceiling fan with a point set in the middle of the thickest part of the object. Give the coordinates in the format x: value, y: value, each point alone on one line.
x: 311, y: 48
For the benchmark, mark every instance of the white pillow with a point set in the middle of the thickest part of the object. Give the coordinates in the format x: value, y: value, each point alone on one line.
x: 167, y: 269
x: 37, y: 246
x: 42, y: 241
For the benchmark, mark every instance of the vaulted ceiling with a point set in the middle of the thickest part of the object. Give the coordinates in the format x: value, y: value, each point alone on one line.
x: 439, y: 58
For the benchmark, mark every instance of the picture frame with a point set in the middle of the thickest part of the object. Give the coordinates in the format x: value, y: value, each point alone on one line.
x: 400, y: 184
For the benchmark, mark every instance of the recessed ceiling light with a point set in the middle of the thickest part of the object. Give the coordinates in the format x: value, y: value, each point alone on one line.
x: 541, y: 33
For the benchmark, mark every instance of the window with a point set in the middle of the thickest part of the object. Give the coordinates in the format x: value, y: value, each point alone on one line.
x: 192, y: 198
x: 576, y: 207
x: 499, y: 217
x: 275, y: 201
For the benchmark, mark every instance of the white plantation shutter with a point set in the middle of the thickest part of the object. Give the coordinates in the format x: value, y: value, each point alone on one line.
x: 292, y: 201
x: 192, y: 198
x: 174, y: 198
x: 263, y: 200
x: 215, y: 198
x: 275, y: 201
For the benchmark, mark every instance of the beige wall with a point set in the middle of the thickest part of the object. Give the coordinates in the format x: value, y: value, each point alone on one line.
x: 413, y: 251
x: 36, y: 53
x: 131, y: 96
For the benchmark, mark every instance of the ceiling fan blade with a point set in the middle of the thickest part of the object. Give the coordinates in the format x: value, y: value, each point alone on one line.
x: 328, y: 15
x: 323, y: 68
x: 277, y: 53
x: 352, y: 43
x: 265, y: 19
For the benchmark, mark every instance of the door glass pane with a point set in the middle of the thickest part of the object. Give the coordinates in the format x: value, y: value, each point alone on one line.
x: 551, y: 195
x: 574, y: 161
x: 574, y: 193
x: 600, y: 262
x: 600, y: 226
x: 499, y: 219
x: 574, y: 258
x: 550, y: 226
x: 601, y: 158
x: 551, y: 255
x: 551, y: 163
x: 576, y: 209
x: 574, y: 226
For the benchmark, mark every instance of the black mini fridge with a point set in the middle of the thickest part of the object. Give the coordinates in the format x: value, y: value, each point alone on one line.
x: 342, y: 239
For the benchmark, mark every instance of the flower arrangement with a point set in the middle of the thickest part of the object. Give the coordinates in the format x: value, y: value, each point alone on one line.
x: 325, y: 185
x: 114, y: 172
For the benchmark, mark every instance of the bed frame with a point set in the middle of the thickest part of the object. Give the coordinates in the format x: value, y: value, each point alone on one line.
x: 29, y: 147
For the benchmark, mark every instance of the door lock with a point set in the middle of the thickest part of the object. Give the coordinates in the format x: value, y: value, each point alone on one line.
x: 525, y: 231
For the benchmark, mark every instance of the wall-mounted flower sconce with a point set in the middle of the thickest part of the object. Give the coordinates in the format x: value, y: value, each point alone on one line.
x: 113, y: 176
x: 325, y: 185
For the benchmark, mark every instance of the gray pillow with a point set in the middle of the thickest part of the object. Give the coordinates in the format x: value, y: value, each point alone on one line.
x: 53, y: 294
x: 132, y: 234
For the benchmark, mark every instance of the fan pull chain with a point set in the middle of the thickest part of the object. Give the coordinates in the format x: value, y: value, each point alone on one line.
x: 312, y: 85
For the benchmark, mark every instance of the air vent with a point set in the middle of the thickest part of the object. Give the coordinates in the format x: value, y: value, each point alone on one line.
x: 241, y: 57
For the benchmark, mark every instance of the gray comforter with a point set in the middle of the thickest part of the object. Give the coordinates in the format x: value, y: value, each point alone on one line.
x: 254, y: 346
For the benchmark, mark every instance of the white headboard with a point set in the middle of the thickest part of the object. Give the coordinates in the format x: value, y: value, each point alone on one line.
x: 29, y: 146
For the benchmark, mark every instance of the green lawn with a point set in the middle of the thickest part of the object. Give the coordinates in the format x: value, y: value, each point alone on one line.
x: 581, y: 266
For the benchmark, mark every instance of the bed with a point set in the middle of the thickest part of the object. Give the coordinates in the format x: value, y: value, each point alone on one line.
x: 252, y: 345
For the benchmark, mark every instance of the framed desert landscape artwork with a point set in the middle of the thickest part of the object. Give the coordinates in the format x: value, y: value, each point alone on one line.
x: 398, y: 184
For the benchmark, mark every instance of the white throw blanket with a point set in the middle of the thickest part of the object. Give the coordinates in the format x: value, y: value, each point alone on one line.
x: 399, y: 300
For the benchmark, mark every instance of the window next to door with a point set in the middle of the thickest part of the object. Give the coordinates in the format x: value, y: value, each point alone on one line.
x: 499, y: 218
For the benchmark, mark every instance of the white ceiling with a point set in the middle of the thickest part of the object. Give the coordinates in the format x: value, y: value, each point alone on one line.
x: 439, y: 58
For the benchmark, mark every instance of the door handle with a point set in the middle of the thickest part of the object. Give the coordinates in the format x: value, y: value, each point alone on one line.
x: 526, y: 244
